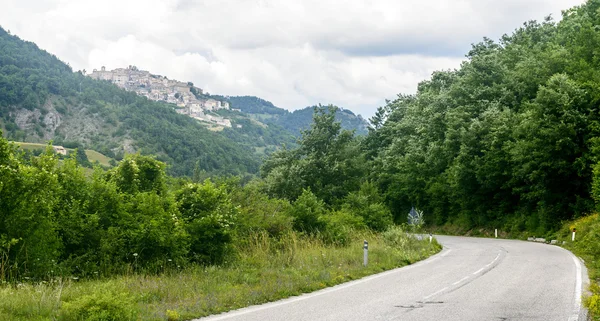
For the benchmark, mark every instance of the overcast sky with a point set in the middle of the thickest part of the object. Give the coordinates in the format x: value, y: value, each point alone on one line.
x: 353, y: 54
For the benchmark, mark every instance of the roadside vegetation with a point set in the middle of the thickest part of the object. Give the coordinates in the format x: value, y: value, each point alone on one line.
x: 587, y: 247
x: 264, y: 269
x: 131, y: 242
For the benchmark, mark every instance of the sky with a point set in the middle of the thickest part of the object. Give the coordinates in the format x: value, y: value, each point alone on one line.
x: 353, y: 53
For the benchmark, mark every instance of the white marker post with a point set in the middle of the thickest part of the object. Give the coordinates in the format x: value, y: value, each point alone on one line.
x: 496, y: 233
x: 430, y: 237
x: 366, y: 253
x: 573, y: 237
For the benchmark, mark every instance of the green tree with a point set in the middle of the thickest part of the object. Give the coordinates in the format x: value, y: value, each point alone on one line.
x: 328, y: 161
x: 208, y: 216
x: 308, y: 211
x: 137, y: 173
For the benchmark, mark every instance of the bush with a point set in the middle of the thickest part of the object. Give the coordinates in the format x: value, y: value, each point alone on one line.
x: 592, y: 303
x: 596, y: 185
x: 396, y: 237
x: 172, y: 315
x: 208, y: 215
x: 307, y: 211
x: 339, y: 225
x: 368, y: 204
x: 259, y: 212
x: 100, y: 306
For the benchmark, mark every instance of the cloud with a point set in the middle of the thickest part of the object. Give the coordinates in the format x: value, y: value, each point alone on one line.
x: 294, y: 53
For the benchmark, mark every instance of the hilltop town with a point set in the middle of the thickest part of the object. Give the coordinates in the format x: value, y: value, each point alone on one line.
x: 187, y: 98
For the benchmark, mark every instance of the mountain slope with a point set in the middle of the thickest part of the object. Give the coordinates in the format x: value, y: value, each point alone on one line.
x: 297, y: 121
x: 41, y: 98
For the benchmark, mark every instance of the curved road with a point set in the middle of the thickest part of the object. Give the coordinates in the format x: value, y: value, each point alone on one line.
x: 471, y: 279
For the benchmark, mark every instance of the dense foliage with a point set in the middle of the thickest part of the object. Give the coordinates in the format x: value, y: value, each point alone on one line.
x: 325, y: 162
x: 509, y: 139
x: 55, y: 220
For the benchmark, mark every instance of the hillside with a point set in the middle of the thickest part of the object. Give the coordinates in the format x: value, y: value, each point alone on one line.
x: 297, y: 121
x: 42, y: 99
x: 264, y: 138
x: 91, y: 156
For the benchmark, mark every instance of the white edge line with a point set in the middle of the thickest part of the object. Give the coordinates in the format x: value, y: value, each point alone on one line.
x: 578, y: 290
x: 305, y: 296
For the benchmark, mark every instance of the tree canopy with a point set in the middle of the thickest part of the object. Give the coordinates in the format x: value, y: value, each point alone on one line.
x: 508, y: 139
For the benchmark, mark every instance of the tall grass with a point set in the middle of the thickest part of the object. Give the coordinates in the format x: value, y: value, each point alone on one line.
x: 264, y: 269
x: 586, y: 246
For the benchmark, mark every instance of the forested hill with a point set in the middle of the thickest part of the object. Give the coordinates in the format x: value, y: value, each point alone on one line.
x: 295, y: 121
x: 511, y: 139
x: 41, y: 98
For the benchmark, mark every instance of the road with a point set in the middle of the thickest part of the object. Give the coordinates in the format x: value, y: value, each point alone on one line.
x: 471, y: 279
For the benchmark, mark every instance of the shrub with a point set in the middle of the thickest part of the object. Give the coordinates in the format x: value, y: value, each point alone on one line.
x: 100, y: 306
x: 208, y: 215
x: 259, y: 212
x: 307, y: 211
x: 368, y: 203
x: 396, y: 237
x: 596, y: 185
x: 172, y: 315
x: 338, y: 227
x: 593, y: 302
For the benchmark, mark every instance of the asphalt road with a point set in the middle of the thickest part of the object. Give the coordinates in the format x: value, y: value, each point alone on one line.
x: 471, y: 279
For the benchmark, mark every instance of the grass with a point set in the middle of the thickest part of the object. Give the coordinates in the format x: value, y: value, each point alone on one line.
x: 31, y: 146
x: 214, y: 128
x: 264, y: 270
x: 92, y: 155
x: 587, y: 247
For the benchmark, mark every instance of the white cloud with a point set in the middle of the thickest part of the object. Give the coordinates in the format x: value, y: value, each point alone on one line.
x: 294, y: 53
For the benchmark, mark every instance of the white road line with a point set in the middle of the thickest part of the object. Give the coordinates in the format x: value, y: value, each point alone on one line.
x: 457, y: 282
x: 496, y: 259
x: 477, y: 272
x: 436, y: 293
x: 444, y: 254
x: 454, y: 285
x: 578, y: 287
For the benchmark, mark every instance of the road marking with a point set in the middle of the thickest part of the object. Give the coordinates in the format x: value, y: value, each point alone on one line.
x: 436, y: 293
x: 444, y: 254
x: 457, y: 282
x: 578, y: 287
x: 497, y: 256
x: 477, y: 272
x: 456, y: 285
